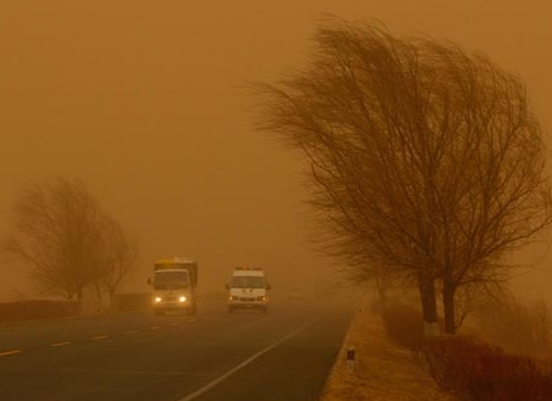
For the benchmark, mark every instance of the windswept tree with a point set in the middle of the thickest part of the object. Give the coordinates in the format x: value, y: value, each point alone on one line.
x: 120, y: 254
x: 61, y: 232
x: 426, y: 162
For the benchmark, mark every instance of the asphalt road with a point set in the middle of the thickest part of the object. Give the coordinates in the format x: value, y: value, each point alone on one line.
x: 283, y: 355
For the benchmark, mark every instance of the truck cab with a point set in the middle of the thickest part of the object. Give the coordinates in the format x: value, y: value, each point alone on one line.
x: 248, y: 289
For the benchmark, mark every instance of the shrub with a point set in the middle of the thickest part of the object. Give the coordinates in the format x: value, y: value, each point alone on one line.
x: 476, y: 371
x: 36, y: 309
x: 520, y: 328
x: 403, y: 323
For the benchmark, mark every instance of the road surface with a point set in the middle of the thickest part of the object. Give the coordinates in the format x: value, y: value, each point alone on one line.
x: 283, y: 355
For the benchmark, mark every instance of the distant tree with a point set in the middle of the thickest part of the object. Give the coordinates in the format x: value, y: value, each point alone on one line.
x: 120, y: 252
x: 426, y: 162
x: 69, y: 242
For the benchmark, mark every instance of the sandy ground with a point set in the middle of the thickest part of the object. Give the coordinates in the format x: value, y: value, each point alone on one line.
x: 382, y: 371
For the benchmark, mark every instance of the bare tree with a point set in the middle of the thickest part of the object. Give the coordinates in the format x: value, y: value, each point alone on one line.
x: 120, y: 253
x: 61, y: 232
x: 425, y: 160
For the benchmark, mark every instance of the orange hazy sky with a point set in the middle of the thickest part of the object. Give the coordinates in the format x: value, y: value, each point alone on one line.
x: 144, y: 101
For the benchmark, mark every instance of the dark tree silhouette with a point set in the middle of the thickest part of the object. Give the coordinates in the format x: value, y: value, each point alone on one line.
x: 426, y: 162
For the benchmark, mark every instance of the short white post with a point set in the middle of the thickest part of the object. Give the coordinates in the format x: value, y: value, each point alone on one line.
x: 350, y: 359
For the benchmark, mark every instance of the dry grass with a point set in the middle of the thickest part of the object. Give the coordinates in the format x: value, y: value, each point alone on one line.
x: 382, y: 372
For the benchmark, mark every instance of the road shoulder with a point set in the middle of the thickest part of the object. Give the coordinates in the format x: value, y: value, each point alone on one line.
x: 382, y: 370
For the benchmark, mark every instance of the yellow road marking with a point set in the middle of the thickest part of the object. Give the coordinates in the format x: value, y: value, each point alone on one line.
x: 12, y: 352
x: 103, y: 337
x: 61, y: 344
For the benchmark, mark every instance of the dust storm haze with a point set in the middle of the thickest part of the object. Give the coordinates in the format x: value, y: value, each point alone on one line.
x: 145, y: 101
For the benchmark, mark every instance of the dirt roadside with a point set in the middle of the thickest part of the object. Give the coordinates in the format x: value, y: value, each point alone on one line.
x: 382, y: 371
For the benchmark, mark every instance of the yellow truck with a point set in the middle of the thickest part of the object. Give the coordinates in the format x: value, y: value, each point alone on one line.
x: 174, y: 285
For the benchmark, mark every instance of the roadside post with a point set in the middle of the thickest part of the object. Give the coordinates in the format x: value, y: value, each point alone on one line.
x: 350, y: 359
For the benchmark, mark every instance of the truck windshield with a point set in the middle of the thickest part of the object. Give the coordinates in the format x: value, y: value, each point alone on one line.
x: 166, y: 280
x: 248, y: 282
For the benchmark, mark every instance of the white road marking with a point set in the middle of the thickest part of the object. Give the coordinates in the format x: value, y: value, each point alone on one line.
x: 243, y: 364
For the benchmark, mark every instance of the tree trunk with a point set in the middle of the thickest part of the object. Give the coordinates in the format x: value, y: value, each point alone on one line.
x: 426, y: 287
x: 79, y: 294
x: 112, y: 299
x: 98, y: 305
x: 381, y: 290
x: 448, y: 306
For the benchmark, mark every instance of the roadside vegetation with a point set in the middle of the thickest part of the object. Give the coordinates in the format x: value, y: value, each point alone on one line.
x: 36, y: 309
x: 383, y: 369
x: 505, y: 355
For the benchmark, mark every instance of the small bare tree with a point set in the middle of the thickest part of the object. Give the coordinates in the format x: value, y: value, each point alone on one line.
x: 70, y: 243
x: 120, y: 253
x: 426, y: 161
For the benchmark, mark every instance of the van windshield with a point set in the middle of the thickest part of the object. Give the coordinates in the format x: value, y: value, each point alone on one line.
x: 248, y: 282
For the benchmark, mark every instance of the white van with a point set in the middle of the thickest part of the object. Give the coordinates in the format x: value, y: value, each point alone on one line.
x: 248, y: 289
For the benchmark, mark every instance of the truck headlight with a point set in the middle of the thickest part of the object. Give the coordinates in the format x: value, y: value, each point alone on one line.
x: 182, y: 299
x: 158, y: 299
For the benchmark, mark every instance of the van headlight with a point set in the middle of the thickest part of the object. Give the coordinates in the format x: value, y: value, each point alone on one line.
x: 158, y: 299
x: 182, y: 299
